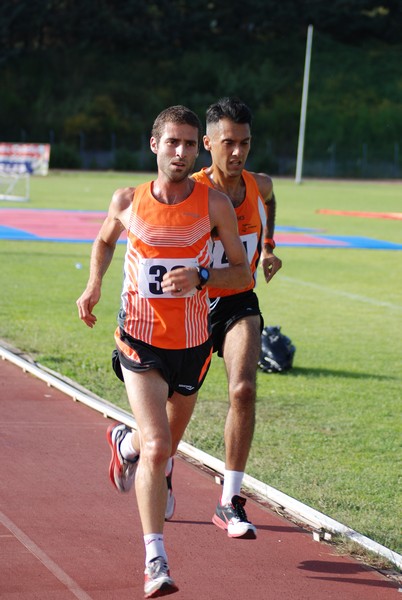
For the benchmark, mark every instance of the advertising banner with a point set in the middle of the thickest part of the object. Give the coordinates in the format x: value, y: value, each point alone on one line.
x: 18, y: 159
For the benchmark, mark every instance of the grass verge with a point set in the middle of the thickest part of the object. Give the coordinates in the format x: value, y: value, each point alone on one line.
x: 329, y: 432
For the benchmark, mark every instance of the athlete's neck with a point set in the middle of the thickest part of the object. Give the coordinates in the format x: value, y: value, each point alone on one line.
x: 234, y: 187
x: 172, y: 192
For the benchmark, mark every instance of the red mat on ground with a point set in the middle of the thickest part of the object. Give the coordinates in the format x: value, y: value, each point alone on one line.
x: 66, y: 533
x: 25, y: 224
x: 355, y: 213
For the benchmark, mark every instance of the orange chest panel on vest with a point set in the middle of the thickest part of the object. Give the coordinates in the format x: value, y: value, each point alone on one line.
x: 160, y: 238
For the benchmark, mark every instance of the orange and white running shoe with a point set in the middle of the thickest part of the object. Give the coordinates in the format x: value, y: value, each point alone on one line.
x: 121, y: 470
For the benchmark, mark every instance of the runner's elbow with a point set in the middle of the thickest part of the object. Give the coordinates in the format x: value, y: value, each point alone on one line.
x: 245, y: 276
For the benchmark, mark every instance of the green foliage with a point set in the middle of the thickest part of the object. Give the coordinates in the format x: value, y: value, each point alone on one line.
x: 97, y: 69
x: 63, y: 156
x: 125, y: 161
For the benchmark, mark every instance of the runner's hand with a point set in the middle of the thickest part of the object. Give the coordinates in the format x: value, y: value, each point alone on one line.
x: 85, y: 304
x: 271, y: 265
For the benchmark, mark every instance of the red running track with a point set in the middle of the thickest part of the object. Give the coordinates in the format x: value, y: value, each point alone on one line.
x: 66, y: 533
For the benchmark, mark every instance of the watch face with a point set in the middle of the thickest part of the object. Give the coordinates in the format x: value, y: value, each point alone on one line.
x: 204, y: 274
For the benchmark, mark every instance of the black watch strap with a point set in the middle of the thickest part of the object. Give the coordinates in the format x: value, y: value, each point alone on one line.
x: 203, y: 274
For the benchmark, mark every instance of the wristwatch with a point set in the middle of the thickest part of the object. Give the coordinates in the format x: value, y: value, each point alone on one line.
x: 203, y: 274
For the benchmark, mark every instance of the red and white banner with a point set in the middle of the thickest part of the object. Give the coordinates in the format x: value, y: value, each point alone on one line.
x: 24, y: 158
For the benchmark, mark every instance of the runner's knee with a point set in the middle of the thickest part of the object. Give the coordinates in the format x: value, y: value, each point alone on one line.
x: 157, y: 450
x: 242, y: 394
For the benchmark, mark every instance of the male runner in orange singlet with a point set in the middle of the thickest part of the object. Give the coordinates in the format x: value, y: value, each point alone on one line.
x: 235, y: 315
x: 163, y: 335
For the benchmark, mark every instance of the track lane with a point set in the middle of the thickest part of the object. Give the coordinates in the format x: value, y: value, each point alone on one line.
x: 82, y: 537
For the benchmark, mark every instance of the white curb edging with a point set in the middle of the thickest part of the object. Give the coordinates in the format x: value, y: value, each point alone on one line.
x: 271, y: 495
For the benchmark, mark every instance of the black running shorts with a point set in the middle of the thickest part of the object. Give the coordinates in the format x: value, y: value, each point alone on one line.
x: 227, y: 310
x: 183, y: 370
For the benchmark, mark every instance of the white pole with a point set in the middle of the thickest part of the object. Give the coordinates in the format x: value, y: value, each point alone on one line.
x: 300, y: 148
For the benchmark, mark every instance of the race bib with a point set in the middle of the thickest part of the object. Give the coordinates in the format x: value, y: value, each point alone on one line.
x: 219, y: 259
x: 151, y: 272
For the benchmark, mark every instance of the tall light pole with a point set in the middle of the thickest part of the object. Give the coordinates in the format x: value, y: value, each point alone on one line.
x: 300, y: 147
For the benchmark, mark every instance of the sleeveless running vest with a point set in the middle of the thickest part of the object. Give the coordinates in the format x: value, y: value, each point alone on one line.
x: 251, y: 218
x: 162, y: 237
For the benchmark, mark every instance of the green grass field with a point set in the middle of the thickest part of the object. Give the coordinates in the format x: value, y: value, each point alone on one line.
x: 329, y: 432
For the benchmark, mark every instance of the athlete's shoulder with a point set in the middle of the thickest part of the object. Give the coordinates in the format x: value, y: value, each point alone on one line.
x: 218, y: 196
x: 122, y: 199
x: 220, y: 208
x: 264, y: 183
x: 200, y: 176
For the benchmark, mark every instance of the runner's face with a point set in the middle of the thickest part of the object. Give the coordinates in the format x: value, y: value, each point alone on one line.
x: 176, y: 150
x: 229, y: 145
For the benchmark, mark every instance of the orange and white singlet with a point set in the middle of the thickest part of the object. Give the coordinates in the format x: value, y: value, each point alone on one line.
x: 251, y: 218
x: 160, y: 238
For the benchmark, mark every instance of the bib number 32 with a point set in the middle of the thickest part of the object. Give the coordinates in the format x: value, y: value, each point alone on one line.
x: 151, y: 272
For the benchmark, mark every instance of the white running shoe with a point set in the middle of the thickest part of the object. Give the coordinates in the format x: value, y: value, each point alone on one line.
x: 157, y: 579
x: 232, y: 517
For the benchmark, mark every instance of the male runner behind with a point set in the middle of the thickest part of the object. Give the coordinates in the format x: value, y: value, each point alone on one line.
x: 235, y: 314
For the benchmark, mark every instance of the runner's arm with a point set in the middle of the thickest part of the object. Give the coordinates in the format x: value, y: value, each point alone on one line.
x: 102, y: 253
x: 224, y: 221
x: 237, y: 274
x: 269, y: 261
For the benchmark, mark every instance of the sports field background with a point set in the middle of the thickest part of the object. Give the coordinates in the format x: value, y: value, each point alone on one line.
x: 329, y: 432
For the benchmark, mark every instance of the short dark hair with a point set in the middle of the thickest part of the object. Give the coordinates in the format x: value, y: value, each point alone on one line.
x: 176, y: 114
x: 229, y: 108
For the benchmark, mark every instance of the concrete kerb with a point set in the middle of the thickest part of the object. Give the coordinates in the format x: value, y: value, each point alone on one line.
x: 296, y: 509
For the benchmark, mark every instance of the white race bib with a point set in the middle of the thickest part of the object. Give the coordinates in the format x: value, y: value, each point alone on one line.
x: 219, y: 259
x: 151, y: 272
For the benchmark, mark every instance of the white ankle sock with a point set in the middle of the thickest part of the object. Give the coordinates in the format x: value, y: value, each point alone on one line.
x: 154, y: 546
x: 232, y: 481
x: 126, y: 448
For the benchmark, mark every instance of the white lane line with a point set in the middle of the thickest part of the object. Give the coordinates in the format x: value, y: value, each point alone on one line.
x: 323, y: 288
x: 72, y: 586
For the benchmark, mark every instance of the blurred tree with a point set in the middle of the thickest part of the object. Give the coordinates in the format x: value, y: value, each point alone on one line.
x: 108, y: 66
